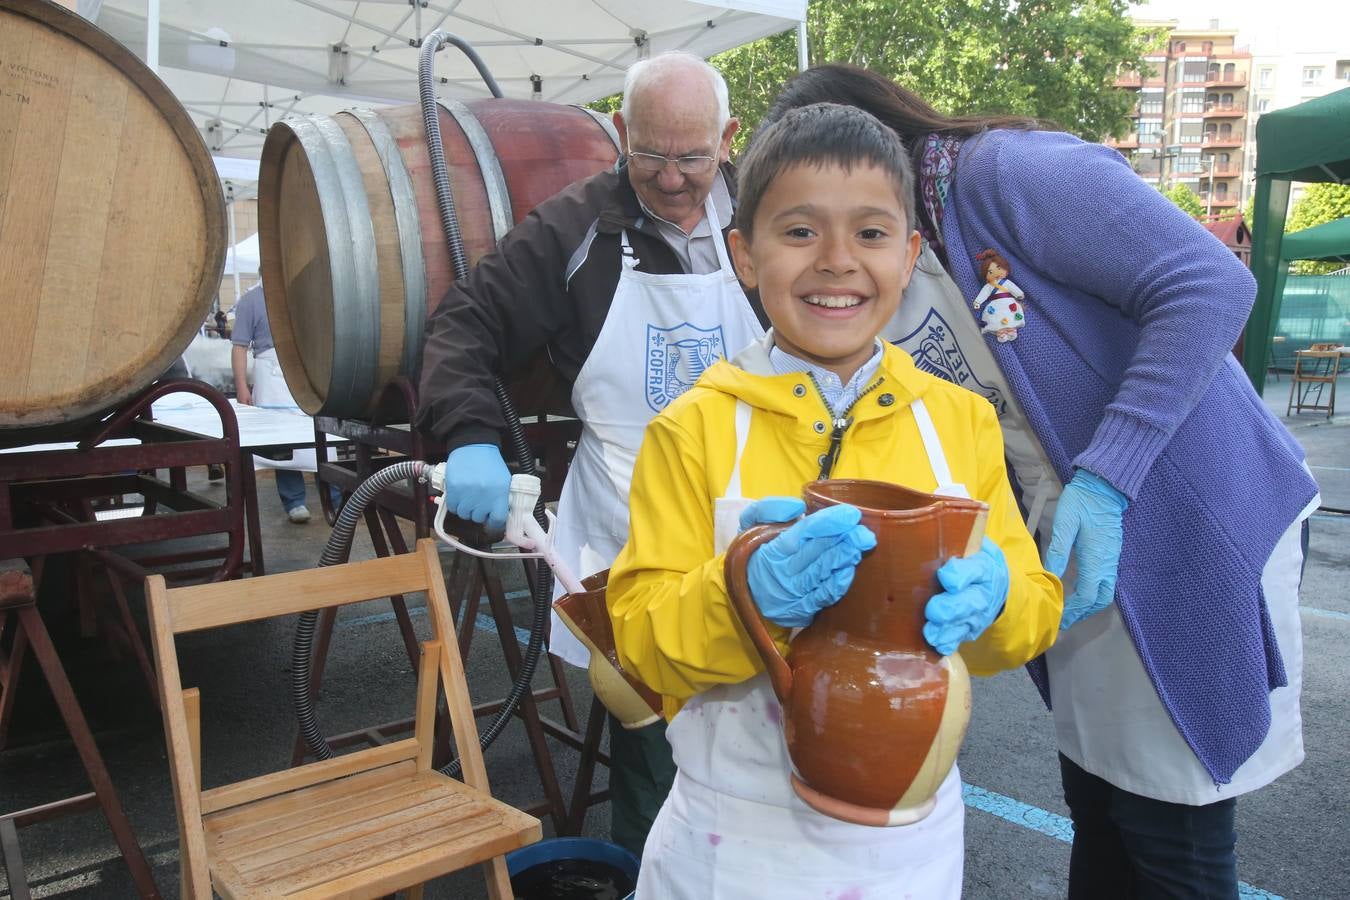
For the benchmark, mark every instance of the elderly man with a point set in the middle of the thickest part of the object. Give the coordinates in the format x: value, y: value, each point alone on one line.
x: 624, y: 278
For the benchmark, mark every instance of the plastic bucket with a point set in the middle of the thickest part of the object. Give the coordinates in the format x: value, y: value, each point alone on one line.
x: 577, y: 868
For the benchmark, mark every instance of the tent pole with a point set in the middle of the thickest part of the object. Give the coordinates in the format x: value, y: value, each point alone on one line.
x: 1269, y: 210
x: 803, y: 60
x: 152, y: 35
x: 234, y: 249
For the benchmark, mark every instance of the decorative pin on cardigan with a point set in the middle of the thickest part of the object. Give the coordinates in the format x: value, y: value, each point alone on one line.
x: 1000, y: 301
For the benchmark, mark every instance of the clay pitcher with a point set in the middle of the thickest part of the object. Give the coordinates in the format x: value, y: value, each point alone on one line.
x: 873, y: 717
x: 586, y: 616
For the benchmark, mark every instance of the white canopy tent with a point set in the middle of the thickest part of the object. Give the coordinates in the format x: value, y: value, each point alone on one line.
x: 239, y: 65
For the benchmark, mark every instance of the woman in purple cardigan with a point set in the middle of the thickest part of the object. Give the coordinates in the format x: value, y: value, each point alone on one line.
x: 1147, y: 464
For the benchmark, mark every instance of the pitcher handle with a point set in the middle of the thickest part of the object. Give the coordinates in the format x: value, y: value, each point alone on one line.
x: 738, y: 587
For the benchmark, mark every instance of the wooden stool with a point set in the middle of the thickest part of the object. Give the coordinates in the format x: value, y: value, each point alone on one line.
x: 17, y: 605
x: 1314, y: 369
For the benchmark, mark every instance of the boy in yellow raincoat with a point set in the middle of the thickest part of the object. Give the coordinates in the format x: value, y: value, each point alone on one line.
x: 824, y: 234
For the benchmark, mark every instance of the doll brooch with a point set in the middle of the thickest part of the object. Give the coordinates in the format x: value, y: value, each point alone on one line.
x: 1000, y: 302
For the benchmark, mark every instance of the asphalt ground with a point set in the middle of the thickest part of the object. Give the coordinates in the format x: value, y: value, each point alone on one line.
x: 1294, y: 836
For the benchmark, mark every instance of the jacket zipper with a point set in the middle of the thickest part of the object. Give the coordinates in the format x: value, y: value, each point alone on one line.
x: 841, y: 424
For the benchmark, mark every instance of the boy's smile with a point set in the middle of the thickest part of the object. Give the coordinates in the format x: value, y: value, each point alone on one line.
x: 831, y: 254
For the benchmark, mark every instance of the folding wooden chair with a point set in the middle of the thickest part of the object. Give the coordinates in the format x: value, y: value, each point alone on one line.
x: 1314, y: 369
x: 360, y: 825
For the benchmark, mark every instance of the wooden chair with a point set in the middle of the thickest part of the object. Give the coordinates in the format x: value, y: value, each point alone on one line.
x: 360, y: 825
x: 1314, y: 369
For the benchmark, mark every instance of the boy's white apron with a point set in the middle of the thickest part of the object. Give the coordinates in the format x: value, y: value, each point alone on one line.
x: 622, y: 385
x: 732, y: 827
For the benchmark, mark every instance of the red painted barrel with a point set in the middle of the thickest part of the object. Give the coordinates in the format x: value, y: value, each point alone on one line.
x: 353, y: 252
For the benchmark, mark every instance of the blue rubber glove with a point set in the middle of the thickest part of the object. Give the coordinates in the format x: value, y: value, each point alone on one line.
x: 974, y: 591
x: 478, y: 484
x: 772, y: 509
x: 1088, y: 520
x: 809, y: 566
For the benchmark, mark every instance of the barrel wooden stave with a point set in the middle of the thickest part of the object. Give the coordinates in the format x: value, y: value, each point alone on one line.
x: 112, y: 224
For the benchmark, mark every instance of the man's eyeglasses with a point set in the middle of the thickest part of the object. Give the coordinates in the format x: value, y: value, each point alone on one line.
x: 688, y: 165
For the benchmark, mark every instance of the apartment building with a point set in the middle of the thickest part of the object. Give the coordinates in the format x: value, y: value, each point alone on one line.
x: 1191, y: 113
x: 1285, y: 76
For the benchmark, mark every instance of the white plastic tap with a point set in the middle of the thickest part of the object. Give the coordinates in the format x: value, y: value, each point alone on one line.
x: 521, y: 528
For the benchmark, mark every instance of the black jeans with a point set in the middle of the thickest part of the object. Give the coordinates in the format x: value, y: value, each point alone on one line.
x: 1127, y: 846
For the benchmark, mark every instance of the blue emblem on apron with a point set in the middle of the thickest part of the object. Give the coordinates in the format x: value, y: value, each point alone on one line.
x: 936, y: 352
x: 676, y: 357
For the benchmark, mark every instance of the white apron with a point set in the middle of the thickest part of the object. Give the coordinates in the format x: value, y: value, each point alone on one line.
x: 661, y: 332
x: 270, y: 392
x: 733, y: 828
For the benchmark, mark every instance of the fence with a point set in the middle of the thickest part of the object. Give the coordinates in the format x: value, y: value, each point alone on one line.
x: 1315, y: 308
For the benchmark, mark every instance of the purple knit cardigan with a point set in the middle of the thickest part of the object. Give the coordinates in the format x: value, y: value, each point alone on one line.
x: 1124, y: 369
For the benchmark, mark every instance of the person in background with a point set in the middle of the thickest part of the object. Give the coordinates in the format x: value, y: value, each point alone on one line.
x: 823, y: 232
x: 624, y: 277
x: 1143, y: 455
x: 269, y: 386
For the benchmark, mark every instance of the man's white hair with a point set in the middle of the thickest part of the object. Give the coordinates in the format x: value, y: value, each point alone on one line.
x: 644, y: 71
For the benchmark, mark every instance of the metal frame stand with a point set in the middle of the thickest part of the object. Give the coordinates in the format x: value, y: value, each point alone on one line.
x: 381, y: 442
x: 18, y: 604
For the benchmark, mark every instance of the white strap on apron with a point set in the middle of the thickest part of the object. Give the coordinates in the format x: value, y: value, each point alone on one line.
x: 936, y: 457
x: 743, y: 412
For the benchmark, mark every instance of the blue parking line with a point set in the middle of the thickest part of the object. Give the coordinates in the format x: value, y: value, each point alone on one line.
x: 1327, y: 613
x: 1053, y: 825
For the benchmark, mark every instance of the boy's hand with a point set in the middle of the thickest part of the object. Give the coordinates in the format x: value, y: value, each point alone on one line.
x: 768, y: 510
x: 809, y: 566
x: 974, y: 591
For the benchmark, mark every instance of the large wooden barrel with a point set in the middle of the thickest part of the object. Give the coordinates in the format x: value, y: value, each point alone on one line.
x: 112, y: 222
x: 353, y: 253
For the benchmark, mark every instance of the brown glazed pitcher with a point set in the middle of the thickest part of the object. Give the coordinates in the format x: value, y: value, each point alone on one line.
x: 872, y: 715
x: 586, y: 616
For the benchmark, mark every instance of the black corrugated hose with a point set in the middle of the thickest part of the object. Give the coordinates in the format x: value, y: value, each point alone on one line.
x: 339, y: 543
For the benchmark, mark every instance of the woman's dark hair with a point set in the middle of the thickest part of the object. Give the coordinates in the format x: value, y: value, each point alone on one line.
x: 904, y: 111
x: 818, y: 135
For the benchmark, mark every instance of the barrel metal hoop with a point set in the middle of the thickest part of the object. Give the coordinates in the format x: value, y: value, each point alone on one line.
x: 356, y: 320
x: 494, y: 179
x: 605, y: 124
x: 409, y: 227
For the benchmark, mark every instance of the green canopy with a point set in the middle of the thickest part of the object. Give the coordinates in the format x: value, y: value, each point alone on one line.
x: 1329, y: 242
x: 1308, y: 142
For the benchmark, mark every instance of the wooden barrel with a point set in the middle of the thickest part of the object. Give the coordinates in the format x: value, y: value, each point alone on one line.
x: 112, y: 222
x: 353, y: 253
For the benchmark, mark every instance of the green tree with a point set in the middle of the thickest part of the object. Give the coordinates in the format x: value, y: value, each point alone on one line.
x: 1319, y: 204
x: 1186, y: 199
x: 1054, y: 60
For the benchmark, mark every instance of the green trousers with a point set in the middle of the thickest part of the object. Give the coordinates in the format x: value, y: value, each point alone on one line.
x: 641, y: 772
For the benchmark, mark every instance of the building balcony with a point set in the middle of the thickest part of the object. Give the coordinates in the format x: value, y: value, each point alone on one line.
x: 1219, y: 202
x: 1129, y: 142
x: 1225, y: 110
x: 1218, y: 141
x: 1233, y: 79
x: 1232, y: 170
x: 1129, y: 79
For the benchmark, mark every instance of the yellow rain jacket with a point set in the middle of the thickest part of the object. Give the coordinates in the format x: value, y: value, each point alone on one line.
x: 674, y: 626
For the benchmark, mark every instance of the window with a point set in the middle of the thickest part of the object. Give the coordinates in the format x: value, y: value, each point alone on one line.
x: 1194, y: 72
x: 1179, y: 47
x: 1263, y: 104
x: 1312, y: 75
x: 1192, y: 103
x: 1151, y: 104
x: 1266, y: 77
x: 1191, y: 133
x: 1343, y: 70
x: 1229, y: 71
